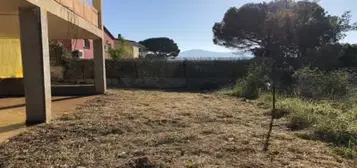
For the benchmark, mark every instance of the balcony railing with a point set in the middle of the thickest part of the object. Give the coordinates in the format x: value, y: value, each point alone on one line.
x: 83, y: 9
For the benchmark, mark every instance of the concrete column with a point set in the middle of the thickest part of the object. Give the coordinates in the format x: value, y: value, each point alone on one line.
x: 36, y: 64
x: 99, y: 55
x: 99, y: 67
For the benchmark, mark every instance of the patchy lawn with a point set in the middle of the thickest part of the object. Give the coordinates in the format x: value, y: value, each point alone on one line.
x: 164, y: 129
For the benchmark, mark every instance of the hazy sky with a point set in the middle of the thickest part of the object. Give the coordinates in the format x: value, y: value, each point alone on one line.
x: 188, y: 22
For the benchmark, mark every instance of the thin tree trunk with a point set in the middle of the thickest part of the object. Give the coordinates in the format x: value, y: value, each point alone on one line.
x: 267, y: 140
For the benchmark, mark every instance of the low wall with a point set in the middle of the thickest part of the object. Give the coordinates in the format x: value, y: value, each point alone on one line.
x: 12, y: 87
x: 15, y: 88
x: 161, y: 74
x: 137, y: 68
x: 195, y: 75
x: 170, y: 83
x: 73, y: 90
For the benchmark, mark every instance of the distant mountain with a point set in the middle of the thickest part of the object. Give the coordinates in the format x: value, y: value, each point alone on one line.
x: 202, y: 54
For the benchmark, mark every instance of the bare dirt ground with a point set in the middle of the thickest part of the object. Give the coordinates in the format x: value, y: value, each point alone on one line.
x: 13, y: 115
x: 164, y: 129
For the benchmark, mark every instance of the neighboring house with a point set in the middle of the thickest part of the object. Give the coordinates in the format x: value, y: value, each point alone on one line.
x: 85, y: 46
x: 137, y: 49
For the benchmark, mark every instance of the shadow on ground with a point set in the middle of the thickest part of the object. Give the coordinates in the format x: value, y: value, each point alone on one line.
x: 23, y: 105
x: 12, y: 127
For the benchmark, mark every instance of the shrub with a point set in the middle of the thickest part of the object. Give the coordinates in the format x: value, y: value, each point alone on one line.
x: 337, y: 83
x: 247, y: 88
x: 316, y: 84
x: 122, y: 49
x: 115, y: 54
x: 250, y: 86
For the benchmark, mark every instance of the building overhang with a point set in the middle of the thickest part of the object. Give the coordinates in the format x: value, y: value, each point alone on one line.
x: 65, y: 21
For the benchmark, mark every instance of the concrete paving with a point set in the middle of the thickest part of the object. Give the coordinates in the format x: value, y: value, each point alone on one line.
x: 13, y: 115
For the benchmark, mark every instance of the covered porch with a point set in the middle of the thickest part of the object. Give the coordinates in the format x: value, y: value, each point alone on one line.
x: 29, y: 24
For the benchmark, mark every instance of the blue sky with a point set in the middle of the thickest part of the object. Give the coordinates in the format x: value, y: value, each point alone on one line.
x: 188, y: 22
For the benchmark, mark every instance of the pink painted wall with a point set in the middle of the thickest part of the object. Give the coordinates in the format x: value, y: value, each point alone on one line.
x: 78, y: 44
x: 110, y: 40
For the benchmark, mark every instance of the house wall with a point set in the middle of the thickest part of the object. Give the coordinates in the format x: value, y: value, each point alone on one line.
x: 10, y: 58
x: 67, y: 44
x: 108, y: 40
x: 136, y: 52
x: 10, y: 47
x: 78, y: 44
x: 12, y: 28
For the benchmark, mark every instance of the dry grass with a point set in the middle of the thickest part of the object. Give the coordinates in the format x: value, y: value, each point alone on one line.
x: 164, y: 129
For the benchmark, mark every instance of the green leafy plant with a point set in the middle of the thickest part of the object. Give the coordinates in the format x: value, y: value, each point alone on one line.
x: 115, y: 54
x: 251, y: 85
x: 247, y: 88
x: 122, y: 49
x: 316, y: 84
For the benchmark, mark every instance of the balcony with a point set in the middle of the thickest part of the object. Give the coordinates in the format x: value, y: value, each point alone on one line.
x: 71, y: 18
x: 82, y: 8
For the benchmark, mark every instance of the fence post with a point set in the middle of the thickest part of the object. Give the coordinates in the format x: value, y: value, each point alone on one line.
x: 234, y: 75
x: 83, y: 70
x: 136, y: 69
x: 185, y: 73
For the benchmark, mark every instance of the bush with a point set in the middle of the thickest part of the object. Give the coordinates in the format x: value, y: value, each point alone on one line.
x: 115, y: 54
x: 316, y: 84
x: 249, y: 87
x: 123, y: 49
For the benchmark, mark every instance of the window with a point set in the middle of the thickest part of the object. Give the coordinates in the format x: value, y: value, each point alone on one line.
x: 86, y: 44
x: 108, y: 46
